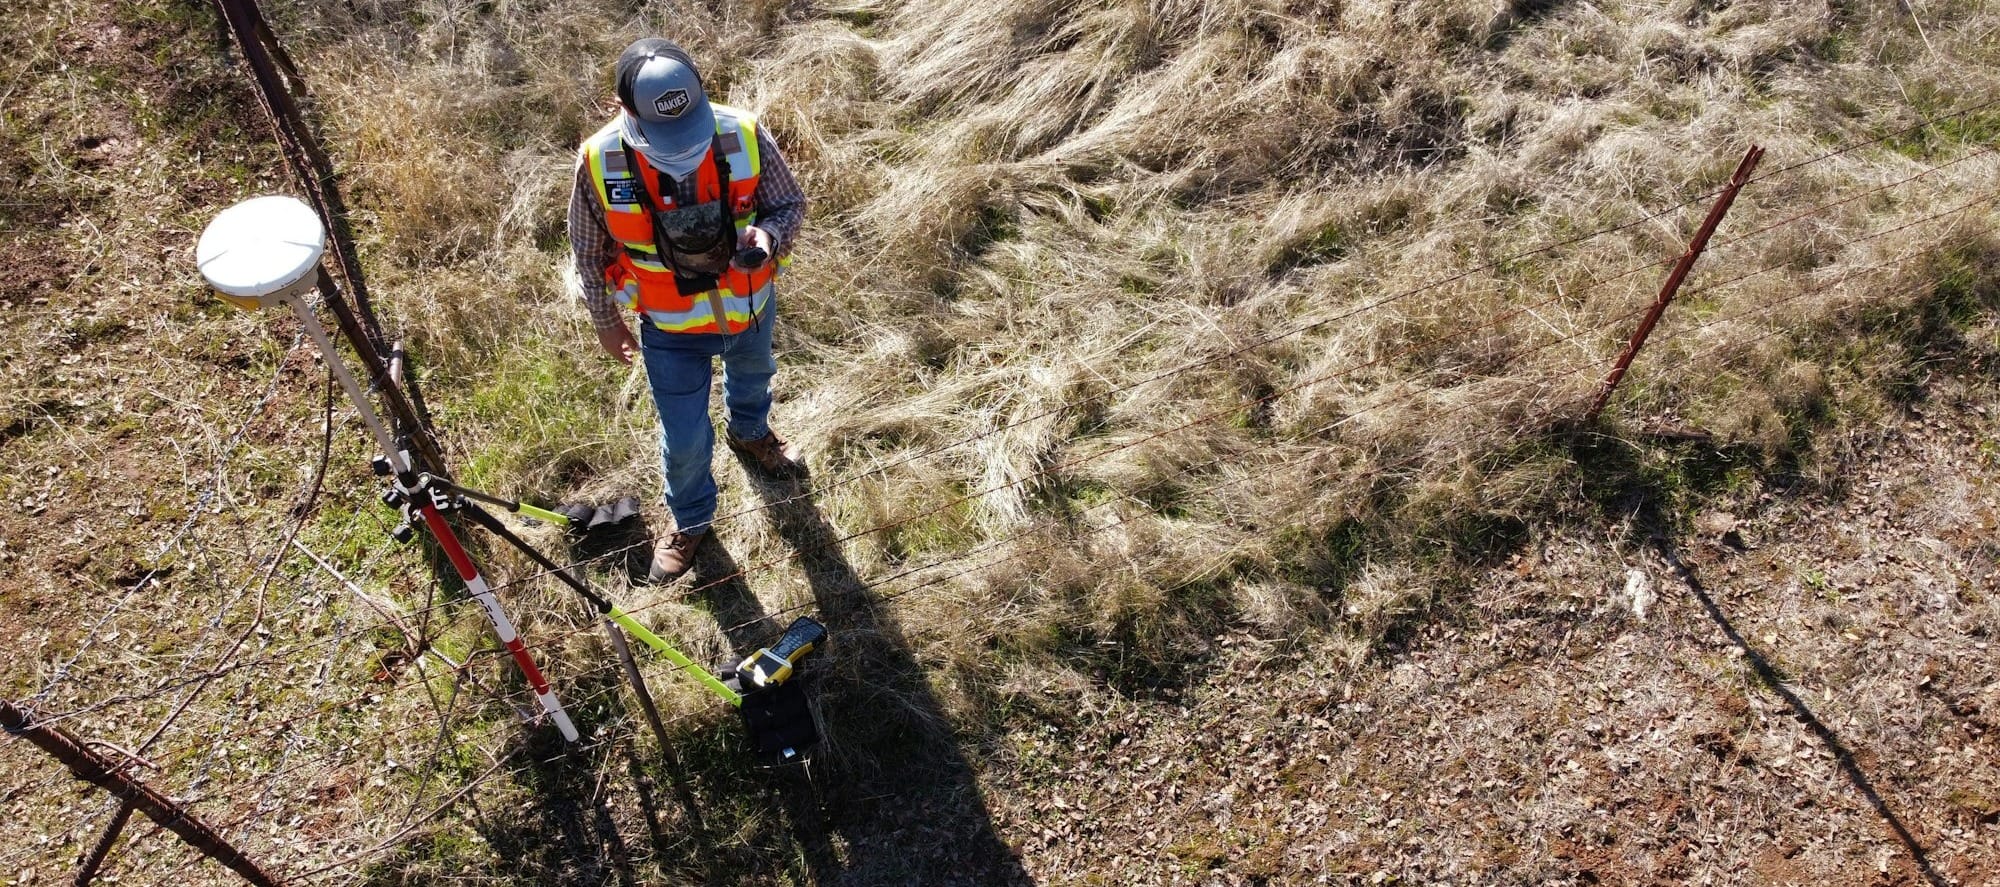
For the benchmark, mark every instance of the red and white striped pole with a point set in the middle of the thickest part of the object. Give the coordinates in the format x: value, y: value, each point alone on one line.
x: 265, y: 252
x: 502, y: 626
x: 447, y: 539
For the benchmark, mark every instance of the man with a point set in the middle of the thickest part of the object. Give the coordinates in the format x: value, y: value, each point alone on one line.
x: 683, y: 213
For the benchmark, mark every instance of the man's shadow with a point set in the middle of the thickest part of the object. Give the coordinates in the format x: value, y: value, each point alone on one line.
x: 889, y: 777
x: 623, y: 544
x: 562, y: 831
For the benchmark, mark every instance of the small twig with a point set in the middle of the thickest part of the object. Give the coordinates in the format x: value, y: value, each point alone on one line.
x: 388, y: 610
x: 125, y: 753
x: 1909, y: 6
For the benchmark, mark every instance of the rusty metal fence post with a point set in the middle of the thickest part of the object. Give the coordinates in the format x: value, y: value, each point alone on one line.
x: 94, y: 860
x: 1674, y: 279
x: 92, y: 767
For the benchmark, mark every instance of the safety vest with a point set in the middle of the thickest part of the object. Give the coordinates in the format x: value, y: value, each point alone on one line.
x: 641, y: 278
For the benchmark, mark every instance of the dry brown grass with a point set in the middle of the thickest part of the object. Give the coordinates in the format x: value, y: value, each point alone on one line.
x: 1018, y: 208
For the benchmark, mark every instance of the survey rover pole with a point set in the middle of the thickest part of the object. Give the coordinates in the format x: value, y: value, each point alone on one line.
x: 447, y: 538
x: 265, y: 252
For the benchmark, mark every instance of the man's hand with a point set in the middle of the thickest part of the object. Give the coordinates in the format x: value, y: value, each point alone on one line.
x: 752, y: 236
x: 618, y: 343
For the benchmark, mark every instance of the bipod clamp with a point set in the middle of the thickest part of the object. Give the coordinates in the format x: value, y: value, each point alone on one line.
x: 408, y: 494
x: 777, y: 714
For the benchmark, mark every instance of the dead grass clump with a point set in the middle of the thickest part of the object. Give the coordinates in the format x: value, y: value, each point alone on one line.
x: 537, y: 212
x: 448, y: 212
x: 1385, y: 599
x: 819, y: 90
x: 927, y: 220
x: 1283, y: 609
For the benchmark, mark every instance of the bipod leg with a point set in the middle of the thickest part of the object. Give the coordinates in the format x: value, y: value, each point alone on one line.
x: 417, y: 500
x: 605, y: 607
x: 638, y: 681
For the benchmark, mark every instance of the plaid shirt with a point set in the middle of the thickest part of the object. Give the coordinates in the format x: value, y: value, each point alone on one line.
x: 781, y: 212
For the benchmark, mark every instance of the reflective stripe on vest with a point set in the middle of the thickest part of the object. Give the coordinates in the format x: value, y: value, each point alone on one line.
x: 737, y: 309
x: 640, y: 279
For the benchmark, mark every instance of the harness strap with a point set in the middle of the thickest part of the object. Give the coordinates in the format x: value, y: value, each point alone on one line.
x: 663, y: 246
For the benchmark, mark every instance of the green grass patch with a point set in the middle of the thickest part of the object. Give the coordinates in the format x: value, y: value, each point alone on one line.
x: 1948, y: 133
x: 950, y: 529
x: 542, y: 422
x: 1322, y: 557
x: 1328, y: 243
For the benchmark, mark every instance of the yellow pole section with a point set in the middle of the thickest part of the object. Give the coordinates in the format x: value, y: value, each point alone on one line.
x: 543, y: 514
x: 674, y: 656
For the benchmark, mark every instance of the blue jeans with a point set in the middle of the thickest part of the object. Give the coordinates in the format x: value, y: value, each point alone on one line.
x: 678, y: 368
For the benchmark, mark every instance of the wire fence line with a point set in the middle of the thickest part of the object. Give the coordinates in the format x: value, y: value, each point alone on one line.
x: 1403, y: 396
x: 549, y: 641
x: 609, y: 556
x: 1408, y: 461
x: 301, y: 513
x: 1312, y: 432
x: 620, y: 552
x: 1210, y: 417
x: 229, y: 664
x: 743, y: 573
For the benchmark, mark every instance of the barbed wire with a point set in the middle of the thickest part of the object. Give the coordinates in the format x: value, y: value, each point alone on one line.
x: 1416, y: 458
x: 1600, y: 326
x: 301, y: 512
x: 745, y: 572
x: 626, y: 550
x: 224, y: 454
x: 1604, y: 324
x: 1211, y: 416
x: 742, y: 573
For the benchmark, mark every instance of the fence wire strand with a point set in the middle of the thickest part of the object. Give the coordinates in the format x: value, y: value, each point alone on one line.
x: 283, y: 786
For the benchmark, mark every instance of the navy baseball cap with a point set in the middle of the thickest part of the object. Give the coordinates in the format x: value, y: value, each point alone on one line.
x: 667, y: 111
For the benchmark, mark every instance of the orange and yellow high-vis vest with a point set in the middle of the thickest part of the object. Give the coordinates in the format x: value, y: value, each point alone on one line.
x: 641, y: 279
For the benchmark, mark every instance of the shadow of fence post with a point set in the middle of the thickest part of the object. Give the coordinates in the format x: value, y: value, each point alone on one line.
x: 1774, y: 681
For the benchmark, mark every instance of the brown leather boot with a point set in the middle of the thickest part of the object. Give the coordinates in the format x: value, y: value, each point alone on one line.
x: 673, y: 556
x: 767, y: 453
